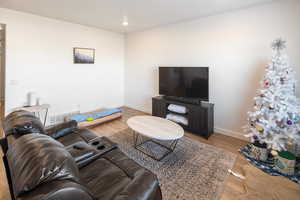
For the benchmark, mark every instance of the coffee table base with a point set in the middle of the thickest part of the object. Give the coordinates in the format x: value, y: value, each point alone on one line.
x: 137, y: 145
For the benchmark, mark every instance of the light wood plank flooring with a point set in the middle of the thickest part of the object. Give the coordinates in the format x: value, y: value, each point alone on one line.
x: 235, y: 188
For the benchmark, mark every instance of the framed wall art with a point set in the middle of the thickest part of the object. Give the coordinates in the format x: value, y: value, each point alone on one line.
x: 83, y: 55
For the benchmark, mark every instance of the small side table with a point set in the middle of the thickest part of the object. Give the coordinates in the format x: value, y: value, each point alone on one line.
x: 37, y: 111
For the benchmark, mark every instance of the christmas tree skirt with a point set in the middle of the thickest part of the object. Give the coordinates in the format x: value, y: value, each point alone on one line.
x: 268, y: 166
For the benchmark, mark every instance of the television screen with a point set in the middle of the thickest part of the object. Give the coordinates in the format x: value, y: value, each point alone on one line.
x: 189, y: 82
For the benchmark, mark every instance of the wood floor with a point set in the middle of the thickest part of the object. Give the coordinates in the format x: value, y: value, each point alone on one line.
x: 257, y: 184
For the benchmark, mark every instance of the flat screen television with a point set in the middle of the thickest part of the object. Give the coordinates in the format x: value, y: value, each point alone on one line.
x: 187, y: 82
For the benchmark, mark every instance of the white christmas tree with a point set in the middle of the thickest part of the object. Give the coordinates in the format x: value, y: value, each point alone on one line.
x: 276, y: 116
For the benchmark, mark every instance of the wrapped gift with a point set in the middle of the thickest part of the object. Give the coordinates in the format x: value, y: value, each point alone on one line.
x: 285, y: 162
x: 259, y: 151
x: 294, y: 149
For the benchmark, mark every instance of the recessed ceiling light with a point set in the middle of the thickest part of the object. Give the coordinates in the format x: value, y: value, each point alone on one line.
x: 125, y: 21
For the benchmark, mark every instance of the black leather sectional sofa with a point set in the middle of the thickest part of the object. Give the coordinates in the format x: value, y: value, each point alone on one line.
x: 64, y: 162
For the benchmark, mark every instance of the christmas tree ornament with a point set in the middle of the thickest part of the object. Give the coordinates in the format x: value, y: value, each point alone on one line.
x: 259, y: 128
x: 289, y: 143
x: 274, y: 153
x: 267, y: 84
x: 297, y: 118
x: 275, y: 119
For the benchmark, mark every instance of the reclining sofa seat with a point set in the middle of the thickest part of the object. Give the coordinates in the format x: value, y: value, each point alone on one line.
x: 112, y: 176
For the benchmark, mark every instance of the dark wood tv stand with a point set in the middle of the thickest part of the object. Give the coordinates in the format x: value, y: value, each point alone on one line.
x: 200, y: 117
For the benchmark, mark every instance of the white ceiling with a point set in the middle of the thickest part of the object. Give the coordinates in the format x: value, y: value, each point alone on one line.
x: 142, y: 14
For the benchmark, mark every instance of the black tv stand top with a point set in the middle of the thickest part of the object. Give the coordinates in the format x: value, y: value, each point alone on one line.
x: 194, y: 101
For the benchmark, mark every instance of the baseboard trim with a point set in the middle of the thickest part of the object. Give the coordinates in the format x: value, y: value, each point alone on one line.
x: 139, y: 108
x: 234, y: 134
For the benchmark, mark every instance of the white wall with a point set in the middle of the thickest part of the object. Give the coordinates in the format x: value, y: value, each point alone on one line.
x: 235, y: 45
x: 2, y: 69
x: 40, y: 59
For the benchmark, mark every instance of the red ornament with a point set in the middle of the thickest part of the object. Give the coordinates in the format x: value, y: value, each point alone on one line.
x: 267, y: 84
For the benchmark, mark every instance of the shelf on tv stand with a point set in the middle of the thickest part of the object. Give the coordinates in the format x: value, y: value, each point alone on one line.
x: 200, y: 117
x: 176, y: 113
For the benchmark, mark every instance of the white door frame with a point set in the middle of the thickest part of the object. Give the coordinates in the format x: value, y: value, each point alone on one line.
x: 2, y: 70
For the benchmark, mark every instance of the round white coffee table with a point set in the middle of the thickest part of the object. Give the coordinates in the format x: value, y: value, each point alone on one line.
x: 155, y: 129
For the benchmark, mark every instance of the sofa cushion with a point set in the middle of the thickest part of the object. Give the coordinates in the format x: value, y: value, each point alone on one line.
x: 70, y: 139
x: 22, y: 122
x: 86, y: 134
x: 58, y: 190
x: 37, y: 158
x: 116, y: 176
x: 104, y: 179
x: 80, y: 135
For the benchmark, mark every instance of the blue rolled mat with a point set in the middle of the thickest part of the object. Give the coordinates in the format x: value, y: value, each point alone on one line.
x: 82, y: 117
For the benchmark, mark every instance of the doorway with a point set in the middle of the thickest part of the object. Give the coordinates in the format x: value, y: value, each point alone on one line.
x: 2, y: 70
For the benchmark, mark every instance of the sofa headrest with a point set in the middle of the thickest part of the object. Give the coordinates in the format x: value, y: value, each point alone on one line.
x: 35, y: 159
x: 22, y: 122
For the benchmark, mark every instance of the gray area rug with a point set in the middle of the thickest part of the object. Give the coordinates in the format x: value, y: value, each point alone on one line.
x: 194, y: 171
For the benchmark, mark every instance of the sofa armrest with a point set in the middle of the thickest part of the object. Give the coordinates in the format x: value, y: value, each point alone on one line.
x: 4, y: 145
x: 144, y: 186
x: 61, y: 129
